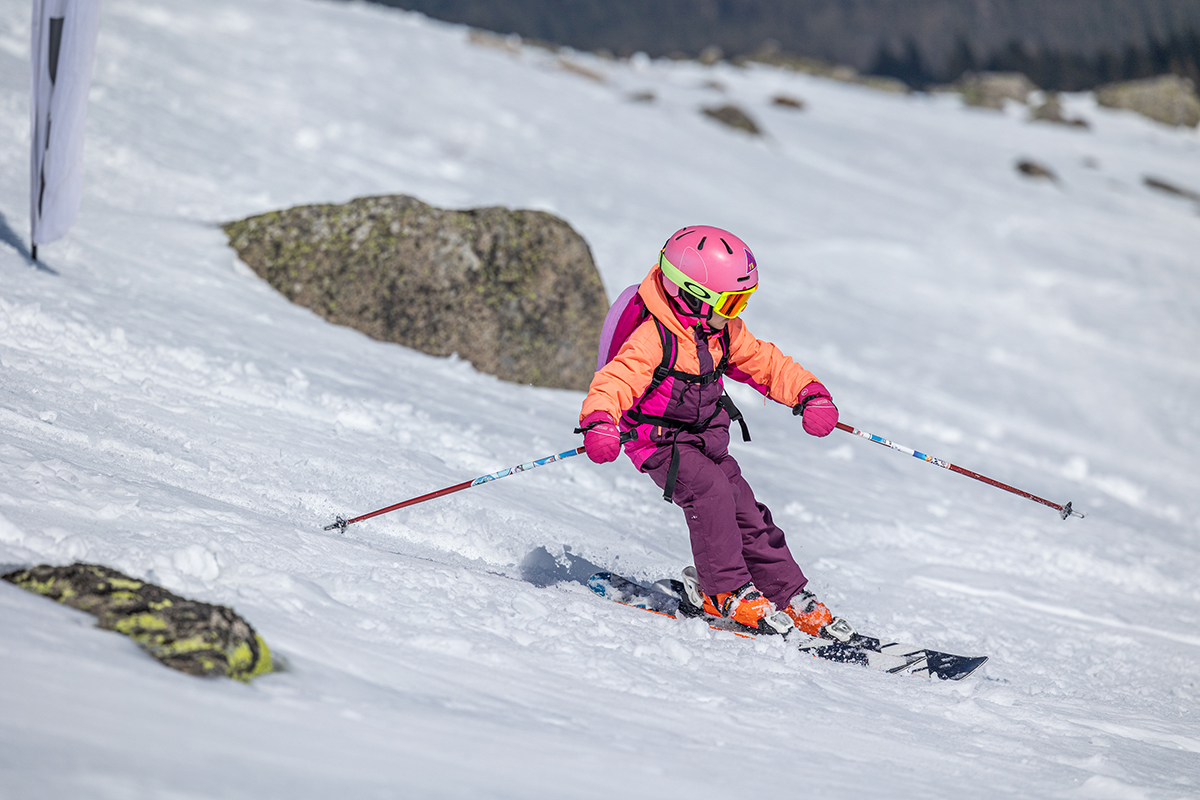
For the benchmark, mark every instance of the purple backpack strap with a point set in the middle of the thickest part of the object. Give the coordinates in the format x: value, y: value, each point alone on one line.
x: 623, y: 318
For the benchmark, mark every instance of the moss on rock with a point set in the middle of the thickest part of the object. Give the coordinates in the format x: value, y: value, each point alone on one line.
x: 192, y: 637
x: 515, y: 293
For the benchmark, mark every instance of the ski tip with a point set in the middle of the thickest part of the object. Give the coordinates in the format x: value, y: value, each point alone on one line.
x: 955, y: 668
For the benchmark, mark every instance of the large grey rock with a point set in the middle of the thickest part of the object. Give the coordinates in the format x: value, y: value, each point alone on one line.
x: 1168, y: 98
x: 514, y: 292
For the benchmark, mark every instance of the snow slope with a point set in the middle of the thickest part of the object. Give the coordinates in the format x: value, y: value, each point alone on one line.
x: 166, y: 413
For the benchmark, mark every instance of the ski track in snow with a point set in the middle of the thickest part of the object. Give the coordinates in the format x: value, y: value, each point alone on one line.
x: 166, y: 413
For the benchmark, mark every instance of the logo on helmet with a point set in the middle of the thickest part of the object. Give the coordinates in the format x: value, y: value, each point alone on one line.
x: 751, y: 264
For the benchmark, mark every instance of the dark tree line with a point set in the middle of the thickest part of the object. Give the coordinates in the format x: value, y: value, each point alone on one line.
x: 1060, y: 44
x: 1050, y: 69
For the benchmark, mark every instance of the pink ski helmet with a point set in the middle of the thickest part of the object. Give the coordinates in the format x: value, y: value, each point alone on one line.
x: 708, y: 269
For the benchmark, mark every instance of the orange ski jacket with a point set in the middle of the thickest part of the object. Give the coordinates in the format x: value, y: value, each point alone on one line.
x: 619, y: 385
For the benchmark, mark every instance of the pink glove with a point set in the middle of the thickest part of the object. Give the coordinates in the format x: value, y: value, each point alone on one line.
x: 601, y: 438
x: 820, y: 414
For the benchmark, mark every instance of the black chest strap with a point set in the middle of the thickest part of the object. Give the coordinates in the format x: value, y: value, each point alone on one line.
x: 666, y: 369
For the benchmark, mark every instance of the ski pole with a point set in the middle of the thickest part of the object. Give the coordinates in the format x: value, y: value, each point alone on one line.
x: 1063, y: 511
x: 341, y: 522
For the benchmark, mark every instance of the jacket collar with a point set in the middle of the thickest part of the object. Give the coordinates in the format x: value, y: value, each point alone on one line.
x: 655, y: 298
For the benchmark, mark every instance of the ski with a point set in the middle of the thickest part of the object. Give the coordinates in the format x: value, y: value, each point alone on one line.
x: 666, y: 597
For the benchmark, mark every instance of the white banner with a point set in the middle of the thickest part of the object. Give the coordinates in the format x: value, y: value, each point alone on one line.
x: 64, y: 43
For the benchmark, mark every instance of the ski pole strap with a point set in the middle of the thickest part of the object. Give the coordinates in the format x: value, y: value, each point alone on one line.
x: 1064, y: 511
x: 798, y: 409
x: 627, y: 436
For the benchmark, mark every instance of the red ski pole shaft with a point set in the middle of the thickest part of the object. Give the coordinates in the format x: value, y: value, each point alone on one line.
x: 1064, y: 511
x: 458, y: 487
x: 340, y: 523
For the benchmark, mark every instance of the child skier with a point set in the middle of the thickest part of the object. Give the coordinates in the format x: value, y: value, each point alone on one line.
x: 666, y: 383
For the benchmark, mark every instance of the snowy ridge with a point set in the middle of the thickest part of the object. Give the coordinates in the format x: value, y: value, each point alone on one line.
x: 166, y: 413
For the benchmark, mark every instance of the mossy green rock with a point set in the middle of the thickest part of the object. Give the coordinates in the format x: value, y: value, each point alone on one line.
x: 192, y: 637
x: 516, y: 293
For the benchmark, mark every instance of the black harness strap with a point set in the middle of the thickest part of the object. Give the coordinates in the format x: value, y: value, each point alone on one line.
x: 735, y: 415
x: 672, y: 470
x: 666, y: 369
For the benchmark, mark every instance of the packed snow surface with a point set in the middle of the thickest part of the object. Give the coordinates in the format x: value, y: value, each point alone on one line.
x: 165, y: 412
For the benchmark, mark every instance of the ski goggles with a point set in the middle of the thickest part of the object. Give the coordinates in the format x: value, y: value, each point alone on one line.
x: 727, y: 304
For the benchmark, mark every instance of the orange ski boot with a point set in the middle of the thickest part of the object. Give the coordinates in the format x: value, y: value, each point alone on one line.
x: 813, y: 617
x: 746, y: 606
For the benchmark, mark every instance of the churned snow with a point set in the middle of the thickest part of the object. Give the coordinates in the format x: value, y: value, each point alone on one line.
x: 165, y: 412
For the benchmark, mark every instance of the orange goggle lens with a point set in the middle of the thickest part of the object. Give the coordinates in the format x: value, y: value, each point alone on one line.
x: 730, y: 304
x: 727, y: 304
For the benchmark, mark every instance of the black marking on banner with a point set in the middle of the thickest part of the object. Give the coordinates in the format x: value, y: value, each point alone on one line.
x: 56, y: 32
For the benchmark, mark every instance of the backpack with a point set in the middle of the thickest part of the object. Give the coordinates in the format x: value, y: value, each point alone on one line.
x: 625, y: 314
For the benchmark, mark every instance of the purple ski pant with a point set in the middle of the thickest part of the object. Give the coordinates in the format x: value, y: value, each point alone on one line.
x: 733, y: 537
